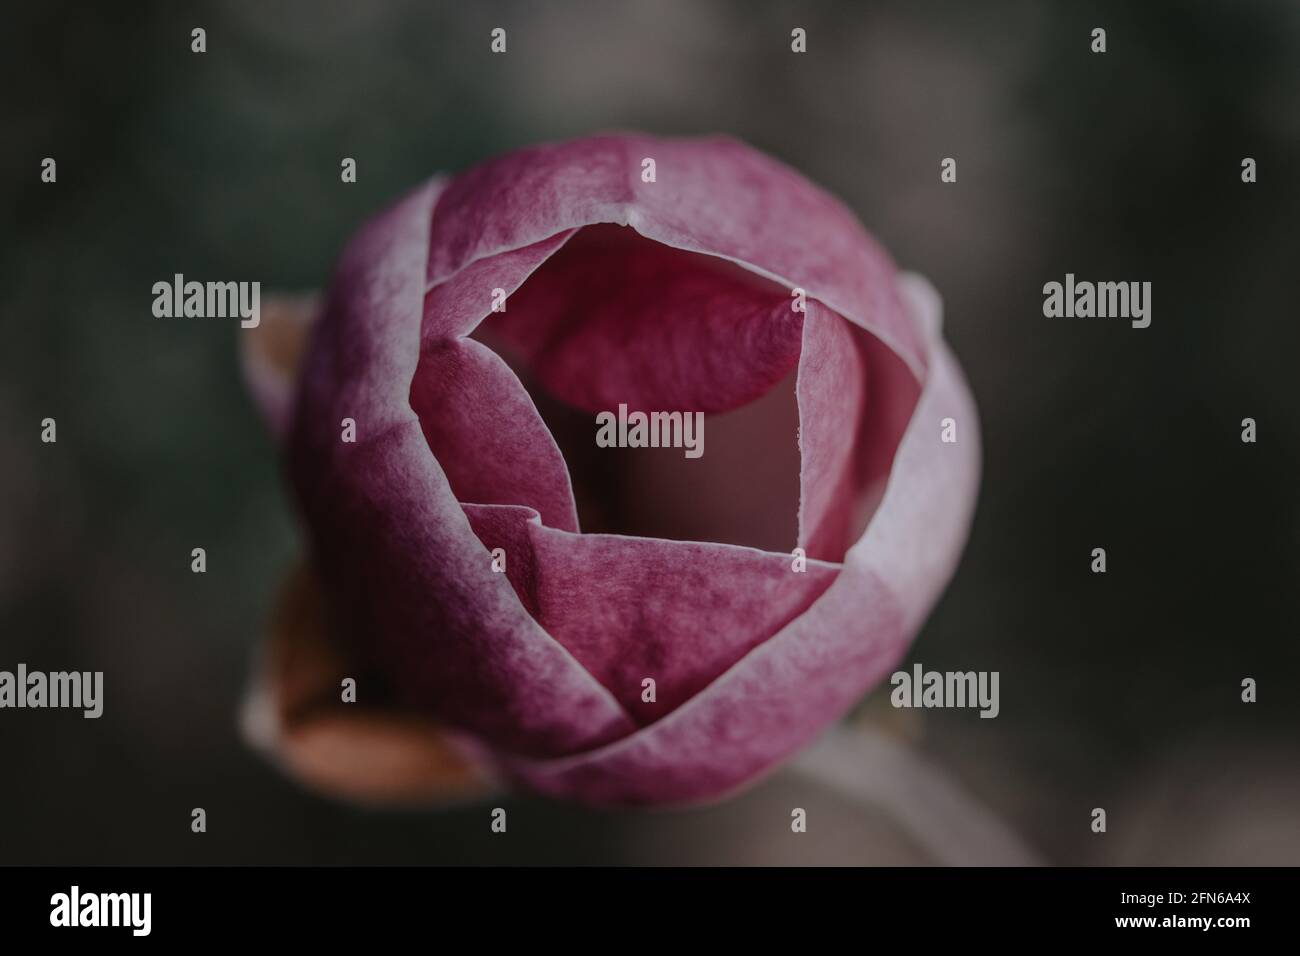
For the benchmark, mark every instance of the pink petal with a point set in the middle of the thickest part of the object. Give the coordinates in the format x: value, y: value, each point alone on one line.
x: 832, y: 393
x: 486, y: 433
x: 454, y: 307
x: 628, y: 608
x: 713, y: 195
x: 615, y: 318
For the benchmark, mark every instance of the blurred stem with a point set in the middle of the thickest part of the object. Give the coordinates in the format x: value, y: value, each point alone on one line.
x: 952, y: 826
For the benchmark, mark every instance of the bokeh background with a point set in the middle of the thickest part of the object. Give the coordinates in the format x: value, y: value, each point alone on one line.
x: 1118, y: 690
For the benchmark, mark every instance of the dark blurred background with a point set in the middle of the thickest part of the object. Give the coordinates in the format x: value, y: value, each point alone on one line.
x: 1119, y: 690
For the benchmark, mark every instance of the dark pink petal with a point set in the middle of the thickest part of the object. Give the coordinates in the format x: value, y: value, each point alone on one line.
x: 454, y: 307
x: 781, y: 693
x: 525, y: 197
x: 892, y: 393
x: 678, y: 612
x: 713, y: 195
x: 832, y: 395
x: 412, y: 584
x: 615, y: 318
x: 485, y: 432
x: 916, y: 537
x: 481, y: 424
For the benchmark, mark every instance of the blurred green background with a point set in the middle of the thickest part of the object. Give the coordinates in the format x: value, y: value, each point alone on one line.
x: 1120, y: 691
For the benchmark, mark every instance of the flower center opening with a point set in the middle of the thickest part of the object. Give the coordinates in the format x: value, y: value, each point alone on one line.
x: 662, y: 347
